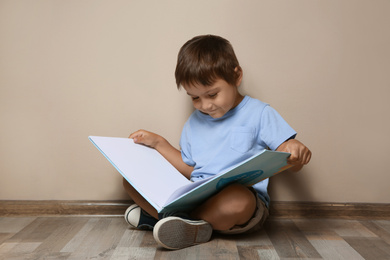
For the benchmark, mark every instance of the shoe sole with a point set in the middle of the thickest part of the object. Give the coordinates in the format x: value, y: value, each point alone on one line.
x: 177, y: 233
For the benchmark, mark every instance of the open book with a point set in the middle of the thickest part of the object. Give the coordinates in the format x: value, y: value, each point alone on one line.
x: 165, y: 188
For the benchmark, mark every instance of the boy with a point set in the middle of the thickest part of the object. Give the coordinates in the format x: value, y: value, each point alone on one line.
x: 226, y: 128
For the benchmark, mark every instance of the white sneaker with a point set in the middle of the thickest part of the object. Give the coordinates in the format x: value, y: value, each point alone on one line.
x: 139, y: 219
x: 177, y: 233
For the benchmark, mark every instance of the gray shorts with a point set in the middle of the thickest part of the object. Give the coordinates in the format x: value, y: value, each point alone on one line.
x: 255, y: 223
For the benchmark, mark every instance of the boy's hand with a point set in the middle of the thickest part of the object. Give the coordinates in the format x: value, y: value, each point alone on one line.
x: 170, y: 153
x: 300, y: 154
x: 147, y: 138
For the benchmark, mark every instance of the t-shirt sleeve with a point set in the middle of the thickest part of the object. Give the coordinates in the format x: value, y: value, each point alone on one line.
x: 274, y: 130
x: 185, y: 146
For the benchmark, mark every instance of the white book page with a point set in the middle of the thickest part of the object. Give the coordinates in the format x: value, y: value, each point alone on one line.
x: 185, y: 189
x: 143, y: 167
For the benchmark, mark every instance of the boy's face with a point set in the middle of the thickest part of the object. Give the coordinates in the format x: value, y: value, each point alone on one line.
x: 215, y: 100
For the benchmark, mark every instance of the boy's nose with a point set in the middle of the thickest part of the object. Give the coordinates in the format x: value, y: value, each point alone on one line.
x: 206, y: 105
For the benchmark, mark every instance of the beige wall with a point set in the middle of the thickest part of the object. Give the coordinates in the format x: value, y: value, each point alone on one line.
x: 69, y: 69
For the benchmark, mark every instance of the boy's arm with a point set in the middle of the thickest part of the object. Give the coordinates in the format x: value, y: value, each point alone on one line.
x: 300, y: 154
x: 170, y: 153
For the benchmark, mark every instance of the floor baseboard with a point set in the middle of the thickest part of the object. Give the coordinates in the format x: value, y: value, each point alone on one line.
x: 278, y: 209
x: 62, y: 207
x: 292, y: 209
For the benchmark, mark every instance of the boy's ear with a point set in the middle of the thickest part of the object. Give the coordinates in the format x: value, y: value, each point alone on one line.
x: 239, y: 74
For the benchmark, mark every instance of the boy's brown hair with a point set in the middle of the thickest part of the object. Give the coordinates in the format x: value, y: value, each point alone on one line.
x: 204, y: 59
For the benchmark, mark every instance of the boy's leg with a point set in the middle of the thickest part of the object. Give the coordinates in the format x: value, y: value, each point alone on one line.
x: 255, y: 223
x: 139, y: 200
x: 232, y: 206
x: 172, y: 232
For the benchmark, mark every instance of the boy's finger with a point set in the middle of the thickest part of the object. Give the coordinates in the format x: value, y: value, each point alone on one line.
x: 138, y: 139
x: 293, y: 161
x: 136, y: 133
x: 293, y: 157
x: 132, y: 135
x: 306, y: 157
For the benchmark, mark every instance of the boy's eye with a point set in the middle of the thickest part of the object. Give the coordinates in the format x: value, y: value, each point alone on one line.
x: 194, y: 98
x: 213, y: 95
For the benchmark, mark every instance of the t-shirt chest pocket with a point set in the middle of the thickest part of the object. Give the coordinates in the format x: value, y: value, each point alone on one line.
x: 242, y: 138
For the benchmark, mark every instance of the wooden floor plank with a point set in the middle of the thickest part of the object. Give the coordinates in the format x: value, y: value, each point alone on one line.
x: 14, y: 225
x: 257, y: 252
x: 249, y: 244
x: 66, y: 229
x: 112, y: 238
x: 139, y: 253
x: 7, y: 247
x: 267, y: 253
x: 331, y: 246
x: 343, y: 227
x: 377, y: 230
x: 148, y: 239
x: 248, y: 252
x: 5, y: 236
x: 18, y: 250
x: 35, y: 256
x: 224, y: 249
x: 258, y: 238
x: 384, y: 224
x: 186, y: 253
x: 215, y: 249
x: 288, y: 240
x: 78, y: 238
x: 37, y: 231
x: 219, y: 248
x: 370, y: 248
x: 102, y: 239
x: 25, y: 247
x: 131, y: 238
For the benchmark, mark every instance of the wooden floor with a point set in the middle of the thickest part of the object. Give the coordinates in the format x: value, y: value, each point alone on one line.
x: 67, y: 237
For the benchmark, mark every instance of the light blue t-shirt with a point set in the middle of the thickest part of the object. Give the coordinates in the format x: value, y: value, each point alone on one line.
x: 212, y: 145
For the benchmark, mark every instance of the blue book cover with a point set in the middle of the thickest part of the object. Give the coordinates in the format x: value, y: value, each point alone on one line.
x: 165, y: 188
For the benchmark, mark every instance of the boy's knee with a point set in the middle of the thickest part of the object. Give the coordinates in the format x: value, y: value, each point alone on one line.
x: 239, y: 191
x: 239, y: 199
x: 236, y: 207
